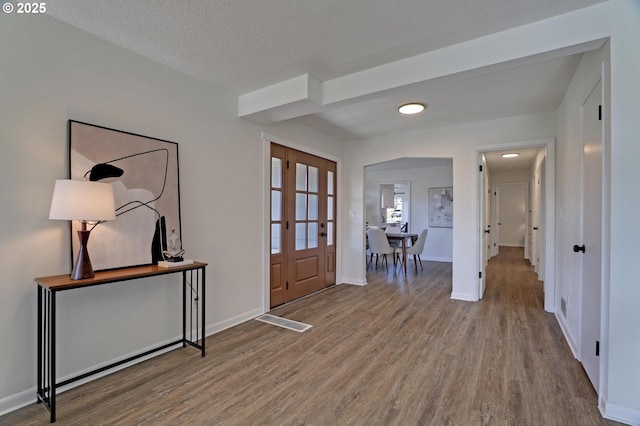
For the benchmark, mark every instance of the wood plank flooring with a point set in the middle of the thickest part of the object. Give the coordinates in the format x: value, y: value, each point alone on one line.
x: 398, y: 351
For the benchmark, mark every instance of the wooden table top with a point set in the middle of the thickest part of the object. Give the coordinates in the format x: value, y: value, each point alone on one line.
x: 64, y: 282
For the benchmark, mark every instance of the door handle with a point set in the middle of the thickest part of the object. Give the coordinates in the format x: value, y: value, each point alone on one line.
x: 535, y: 228
x: 487, y: 231
x: 577, y: 248
x: 323, y: 234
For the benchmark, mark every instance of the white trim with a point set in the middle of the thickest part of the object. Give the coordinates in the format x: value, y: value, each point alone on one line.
x: 620, y: 413
x: 354, y: 281
x: 550, y: 207
x: 17, y: 401
x: 567, y: 335
x: 606, y: 251
x: 467, y: 297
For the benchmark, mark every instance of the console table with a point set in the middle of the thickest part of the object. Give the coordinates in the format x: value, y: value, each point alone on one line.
x: 193, y: 276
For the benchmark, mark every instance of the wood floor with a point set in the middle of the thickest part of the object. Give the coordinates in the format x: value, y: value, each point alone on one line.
x: 398, y: 351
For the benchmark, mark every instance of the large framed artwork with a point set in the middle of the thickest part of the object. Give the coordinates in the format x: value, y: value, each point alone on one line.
x: 441, y: 207
x: 145, y: 179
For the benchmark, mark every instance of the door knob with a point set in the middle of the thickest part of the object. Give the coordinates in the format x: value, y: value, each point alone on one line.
x: 487, y: 231
x: 323, y: 234
x: 577, y: 248
x: 535, y: 228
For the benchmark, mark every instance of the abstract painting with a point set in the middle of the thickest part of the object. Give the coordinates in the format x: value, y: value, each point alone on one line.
x: 441, y: 207
x: 147, y: 193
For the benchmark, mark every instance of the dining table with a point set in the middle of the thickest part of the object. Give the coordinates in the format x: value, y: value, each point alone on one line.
x: 403, y: 237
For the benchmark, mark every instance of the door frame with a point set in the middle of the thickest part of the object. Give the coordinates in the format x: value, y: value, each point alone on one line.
x: 550, y: 206
x: 265, y: 225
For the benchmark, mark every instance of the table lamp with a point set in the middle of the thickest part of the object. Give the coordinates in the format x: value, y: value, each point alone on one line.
x: 85, y: 201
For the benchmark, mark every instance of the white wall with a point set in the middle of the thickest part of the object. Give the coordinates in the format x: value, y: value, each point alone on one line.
x: 456, y: 142
x: 51, y: 72
x: 439, y: 244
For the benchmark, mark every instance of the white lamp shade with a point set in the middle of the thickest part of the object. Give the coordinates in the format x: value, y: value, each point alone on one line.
x: 82, y: 200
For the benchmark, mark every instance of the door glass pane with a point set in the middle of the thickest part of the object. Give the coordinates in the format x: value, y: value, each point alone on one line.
x: 330, y: 233
x: 313, y: 234
x: 313, y: 207
x: 301, y: 206
x: 330, y: 182
x: 276, y: 172
x: 313, y: 179
x: 301, y: 177
x: 276, y: 246
x: 329, y: 208
x: 301, y: 236
x: 276, y: 205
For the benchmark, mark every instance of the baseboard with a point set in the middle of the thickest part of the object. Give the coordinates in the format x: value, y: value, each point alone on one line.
x: 17, y: 401
x: 233, y: 321
x: 619, y: 413
x: 511, y: 245
x: 567, y: 335
x: 437, y: 259
x: 26, y: 397
x: 467, y: 297
x: 354, y: 281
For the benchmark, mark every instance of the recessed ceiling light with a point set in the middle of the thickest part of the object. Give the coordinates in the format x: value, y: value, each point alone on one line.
x: 510, y: 155
x: 411, y: 108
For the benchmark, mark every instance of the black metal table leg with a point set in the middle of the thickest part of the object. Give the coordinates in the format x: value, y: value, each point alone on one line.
x: 184, y: 309
x: 202, y: 298
x: 40, y: 326
x: 52, y: 359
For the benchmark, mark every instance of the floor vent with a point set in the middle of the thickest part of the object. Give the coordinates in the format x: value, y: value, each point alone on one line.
x: 284, y: 323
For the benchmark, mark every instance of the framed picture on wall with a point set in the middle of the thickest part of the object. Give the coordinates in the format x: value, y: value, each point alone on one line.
x: 441, y: 207
x: 144, y: 174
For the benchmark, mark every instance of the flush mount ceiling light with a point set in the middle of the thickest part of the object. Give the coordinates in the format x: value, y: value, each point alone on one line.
x: 411, y: 108
x: 510, y: 155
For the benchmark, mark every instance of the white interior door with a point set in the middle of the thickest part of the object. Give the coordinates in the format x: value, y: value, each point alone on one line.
x: 485, y: 221
x: 591, y: 234
x: 511, y: 214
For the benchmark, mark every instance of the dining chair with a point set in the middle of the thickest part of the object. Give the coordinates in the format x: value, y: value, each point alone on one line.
x: 416, y: 249
x: 394, y: 230
x: 379, y: 245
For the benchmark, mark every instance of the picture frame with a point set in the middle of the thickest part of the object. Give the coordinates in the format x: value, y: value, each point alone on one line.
x: 441, y: 207
x: 147, y: 194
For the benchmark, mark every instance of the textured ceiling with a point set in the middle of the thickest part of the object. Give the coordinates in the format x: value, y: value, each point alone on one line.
x: 245, y: 45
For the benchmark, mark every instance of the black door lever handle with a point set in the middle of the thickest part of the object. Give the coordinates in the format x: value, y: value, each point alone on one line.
x: 577, y: 248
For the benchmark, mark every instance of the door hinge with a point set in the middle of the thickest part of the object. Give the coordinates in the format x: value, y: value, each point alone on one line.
x: 480, y: 274
x: 597, y: 348
x: 286, y: 225
x: 287, y: 164
x: 287, y: 285
x: 599, y: 112
x: 480, y: 167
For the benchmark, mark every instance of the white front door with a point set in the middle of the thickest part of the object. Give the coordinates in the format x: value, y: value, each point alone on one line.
x: 591, y: 234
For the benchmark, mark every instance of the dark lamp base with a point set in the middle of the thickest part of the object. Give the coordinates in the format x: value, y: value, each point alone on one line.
x: 83, y: 268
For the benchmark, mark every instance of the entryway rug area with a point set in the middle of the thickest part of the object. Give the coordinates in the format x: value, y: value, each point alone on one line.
x: 284, y: 323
